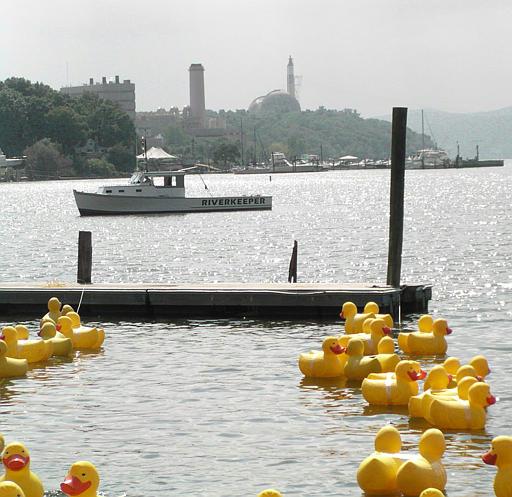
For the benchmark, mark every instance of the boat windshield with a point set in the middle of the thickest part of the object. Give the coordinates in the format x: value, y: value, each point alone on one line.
x: 138, y: 178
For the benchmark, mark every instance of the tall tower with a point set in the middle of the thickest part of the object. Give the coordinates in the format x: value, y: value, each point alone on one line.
x: 290, y: 82
x: 197, y: 104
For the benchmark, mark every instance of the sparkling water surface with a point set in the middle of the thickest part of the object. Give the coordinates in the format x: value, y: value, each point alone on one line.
x: 218, y: 407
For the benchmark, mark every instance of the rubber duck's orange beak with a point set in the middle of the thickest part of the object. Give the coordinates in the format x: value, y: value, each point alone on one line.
x: 479, y: 378
x: 16, y: 462
x: 338, y: 349
x: 490, y: 458
x: 413, y: 375
x: 74, y: 486
x: 2, y: 337
x: 386, y: 330
x: 449, y: 331
x: 58, y: 327
x: 450, y: 377
x: 491, y: 400
x: 39, y: 333
x: 341, y: 315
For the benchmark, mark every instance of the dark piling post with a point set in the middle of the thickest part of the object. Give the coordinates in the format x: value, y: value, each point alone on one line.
x: 84, y: 257
x: 292, y: 271
x: 396, y: 211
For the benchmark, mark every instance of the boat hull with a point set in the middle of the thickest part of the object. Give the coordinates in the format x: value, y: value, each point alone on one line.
x: 97, y: 204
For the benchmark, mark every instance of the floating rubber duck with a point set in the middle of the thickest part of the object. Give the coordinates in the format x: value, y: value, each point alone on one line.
x: 419, y: 343
x: 327, y: 363
x: 9, y: 366
x: 31, y: 350
x: 270, y: 492
x: 462, y: 415
x: 457, y: 394
x: 386, y: 355
x: 452, y: 365
x: 10, y: 489
x: 61, y: 345
x: 426, y: 470
x: 395, y: 389
x: 82, y: 480
x: 2, y: 443
x: 373, y: 308
x: 16, y: 461
x: 22, y: 332
x: 377, y: 473
x: 378, y: 330
x: 82, y: 337
x: 425, y: 323
x: 500, y: 455
x: 353, y: 320
x: 464, y: 371
x: 431, y: 492
x: 438, y: 380
x: 65, y: 309
x: 479, y: 362
x: 359, y: 366
x: 53, y: 313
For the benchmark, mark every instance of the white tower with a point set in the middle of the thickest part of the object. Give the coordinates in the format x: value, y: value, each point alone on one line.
x: 290, y: 82
x: 197, y: 102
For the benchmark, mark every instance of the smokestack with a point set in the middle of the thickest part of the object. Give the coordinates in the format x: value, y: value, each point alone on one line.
x: 290, y: 82
x: 91, y: 81
x: 197, y: 102
x: 104, y: 80
x: 117, y: 80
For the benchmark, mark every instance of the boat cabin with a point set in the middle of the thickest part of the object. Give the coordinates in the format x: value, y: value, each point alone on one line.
x: 149, y: 184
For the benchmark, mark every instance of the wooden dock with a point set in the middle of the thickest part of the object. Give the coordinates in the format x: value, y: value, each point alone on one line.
x: 295, y: 301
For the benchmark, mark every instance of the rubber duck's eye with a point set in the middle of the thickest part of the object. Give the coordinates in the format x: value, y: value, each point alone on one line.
x: 83, y: 474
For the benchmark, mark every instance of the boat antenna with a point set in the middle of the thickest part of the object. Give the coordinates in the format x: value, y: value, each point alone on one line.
x: 145, y: 150
x: 422, y: 132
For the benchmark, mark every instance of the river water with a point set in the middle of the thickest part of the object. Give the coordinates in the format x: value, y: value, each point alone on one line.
x: 218, y: 408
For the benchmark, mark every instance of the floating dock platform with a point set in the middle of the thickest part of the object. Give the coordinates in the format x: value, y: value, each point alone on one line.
x: 289, y: 301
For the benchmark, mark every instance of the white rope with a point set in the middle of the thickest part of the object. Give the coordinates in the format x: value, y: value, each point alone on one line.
x: 80, y: 303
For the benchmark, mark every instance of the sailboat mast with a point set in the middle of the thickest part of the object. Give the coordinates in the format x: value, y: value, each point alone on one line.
x: 422, y: 131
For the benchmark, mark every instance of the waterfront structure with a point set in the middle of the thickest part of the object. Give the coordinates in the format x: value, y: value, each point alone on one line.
x: 197, y: 100
x: 123, y: 94
x: 290, y: 82
x: 278, y: 101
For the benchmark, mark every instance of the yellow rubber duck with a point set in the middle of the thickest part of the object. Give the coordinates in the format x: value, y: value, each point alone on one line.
x: 378, y: 330
x: 353, y: 320
x: 500, y: 455
x: 452, y: 365
x: 65, y: 309
x: 425, y: 323
x: 419, y: 343
x: 431, y: 492
x: 457, y: 394
x: 22, y: 332
x: 426, y: 470
x: 462, y: 415
x: 31, y: 350
x: 2, y: 443
x: 53, y: 313
x: 377, y: 473
x: 327, y: 363
x: 270, y: 492
x: 82, y: 337
x: 9, y: 366
x: 479, y: 362
x: 438, y: 380
x: 82, y: 480
x: 61, y: 345
x: 373, y: 308
x: 10, y: 489
x: 386, y: 355
x: 396, y: 389
x: 464, y: 371
x: 359, y: 366
x: 16, y: 461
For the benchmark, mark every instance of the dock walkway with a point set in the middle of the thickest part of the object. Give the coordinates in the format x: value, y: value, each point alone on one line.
x: 320, y: 301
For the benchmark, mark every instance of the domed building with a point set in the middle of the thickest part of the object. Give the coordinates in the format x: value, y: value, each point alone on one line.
x: 277, y: 101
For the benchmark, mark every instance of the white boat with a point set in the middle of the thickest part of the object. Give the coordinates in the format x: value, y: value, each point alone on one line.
x: 428, y: 159
x: 160, y: 192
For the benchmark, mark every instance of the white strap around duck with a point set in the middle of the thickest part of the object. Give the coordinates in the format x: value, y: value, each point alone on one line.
x: 437, y: 468
x: 388, y: 383
x: 399, y: 455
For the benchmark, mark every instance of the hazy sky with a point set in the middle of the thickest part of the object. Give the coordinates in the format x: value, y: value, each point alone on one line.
x: 453, y: 55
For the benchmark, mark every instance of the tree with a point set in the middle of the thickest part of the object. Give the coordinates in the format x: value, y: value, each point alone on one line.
x: 123, y: 158
x: 12, y: 118
x: 45, y: 161
x: 66, y: 127
x: 100, y: 167
x: 224, y: 153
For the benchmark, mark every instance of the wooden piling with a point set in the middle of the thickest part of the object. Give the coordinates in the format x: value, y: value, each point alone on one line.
x: 292, y: 271
x: 84, y: 257
x: 396, y: 211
